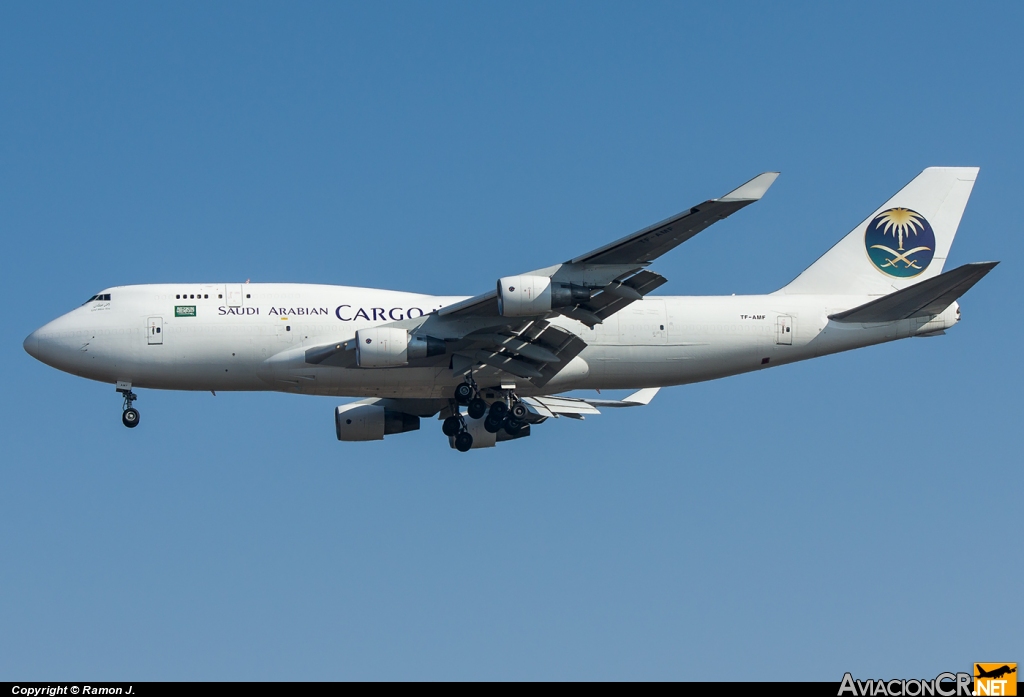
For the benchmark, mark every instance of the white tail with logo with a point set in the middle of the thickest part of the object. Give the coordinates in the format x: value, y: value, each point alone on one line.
x: 905, y: 241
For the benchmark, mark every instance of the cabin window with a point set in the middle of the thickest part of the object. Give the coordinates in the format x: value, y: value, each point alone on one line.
x: 177, y: 297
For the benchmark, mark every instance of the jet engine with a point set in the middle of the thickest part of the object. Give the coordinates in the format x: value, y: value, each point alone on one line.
x: 357, y: 421
x: 520, y: 296
x: 388, y: 347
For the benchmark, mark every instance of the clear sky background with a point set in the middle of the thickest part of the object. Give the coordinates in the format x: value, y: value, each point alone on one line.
x: 858, y: 512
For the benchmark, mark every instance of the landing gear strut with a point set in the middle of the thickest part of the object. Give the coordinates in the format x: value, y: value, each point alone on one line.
x: 129, y: 414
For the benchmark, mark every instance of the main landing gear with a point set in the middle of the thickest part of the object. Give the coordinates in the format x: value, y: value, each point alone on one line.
x: 508, y: 413
x: 455, y: 427
x: 129, y: 414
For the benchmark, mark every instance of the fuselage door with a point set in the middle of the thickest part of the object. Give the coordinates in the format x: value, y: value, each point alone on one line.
x: 784, y: 330
x: 233, y: 294
x: 155, y: 330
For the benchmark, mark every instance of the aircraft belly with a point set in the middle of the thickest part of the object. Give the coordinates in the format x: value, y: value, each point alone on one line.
x: 623, y: 367
x: 419, y: 383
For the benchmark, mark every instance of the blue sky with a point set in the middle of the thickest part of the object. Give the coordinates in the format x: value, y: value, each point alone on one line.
x: 792, y: 524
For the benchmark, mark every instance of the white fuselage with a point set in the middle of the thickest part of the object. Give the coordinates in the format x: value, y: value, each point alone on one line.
x: 254, y: 337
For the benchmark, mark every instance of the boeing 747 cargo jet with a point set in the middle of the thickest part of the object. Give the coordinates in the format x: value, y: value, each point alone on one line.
x: 491, y: 366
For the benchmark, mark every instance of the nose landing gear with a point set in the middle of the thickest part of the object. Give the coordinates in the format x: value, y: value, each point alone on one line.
x: 129, y: 414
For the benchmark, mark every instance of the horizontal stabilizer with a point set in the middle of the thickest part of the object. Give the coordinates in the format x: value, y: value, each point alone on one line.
x: 922, y: 299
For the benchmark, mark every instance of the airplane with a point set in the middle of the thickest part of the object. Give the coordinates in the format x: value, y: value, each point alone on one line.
x: 995, y: 673
x: 493, y: 365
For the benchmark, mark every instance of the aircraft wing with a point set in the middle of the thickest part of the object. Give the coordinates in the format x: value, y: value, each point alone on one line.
x: 478, y: 334
x: 541, y: 408
x: 575, y: 408
x: 614, y: 269
x: 651, y: 242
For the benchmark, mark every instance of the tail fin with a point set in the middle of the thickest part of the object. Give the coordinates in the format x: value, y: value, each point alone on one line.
x: 902, y: 243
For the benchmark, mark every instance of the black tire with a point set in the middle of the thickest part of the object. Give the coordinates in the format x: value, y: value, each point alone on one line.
x: 492, y: 425
x: 498, y: 411
x: 463, y: 393
x: 463, y: 442
x: 130, y: 417
x: 519, y: 411
x: 477, y: 408
x: 451, y: 426
x: 513, y: 427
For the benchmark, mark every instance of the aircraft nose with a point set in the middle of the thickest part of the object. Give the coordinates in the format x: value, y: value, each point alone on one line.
x: 46, y: 346
x: 32, y: 344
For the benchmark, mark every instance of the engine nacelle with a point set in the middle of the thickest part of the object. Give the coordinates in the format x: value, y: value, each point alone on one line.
x: 520, y: 296
x: 355, y: 422
x: 389, y: 347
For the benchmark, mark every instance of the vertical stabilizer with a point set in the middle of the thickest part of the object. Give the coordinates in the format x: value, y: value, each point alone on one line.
x: 903, y: 242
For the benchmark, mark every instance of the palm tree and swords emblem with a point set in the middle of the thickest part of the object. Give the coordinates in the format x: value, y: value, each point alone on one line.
x: 902, y: 228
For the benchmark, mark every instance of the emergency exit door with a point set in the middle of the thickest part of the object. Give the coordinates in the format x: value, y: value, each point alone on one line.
x: 233, y: 294
x: 784, y: 330
x: 155, y: 330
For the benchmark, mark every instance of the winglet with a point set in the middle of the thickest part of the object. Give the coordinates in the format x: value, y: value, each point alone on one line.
x: 754, y: 189
x: 642, y: 398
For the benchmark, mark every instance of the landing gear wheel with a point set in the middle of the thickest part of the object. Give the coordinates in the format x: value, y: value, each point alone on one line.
x: 518, y: 411
x: 463, y: 442
x: 464, y: 393
x: 498, y: 411
x: 477, y: 408
x: 513, y: 426
x: 492, y: 425
x: 130, y: 417
x: 451, y: 426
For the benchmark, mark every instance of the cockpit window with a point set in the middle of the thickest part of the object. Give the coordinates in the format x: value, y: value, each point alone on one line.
x: 95, y: 298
